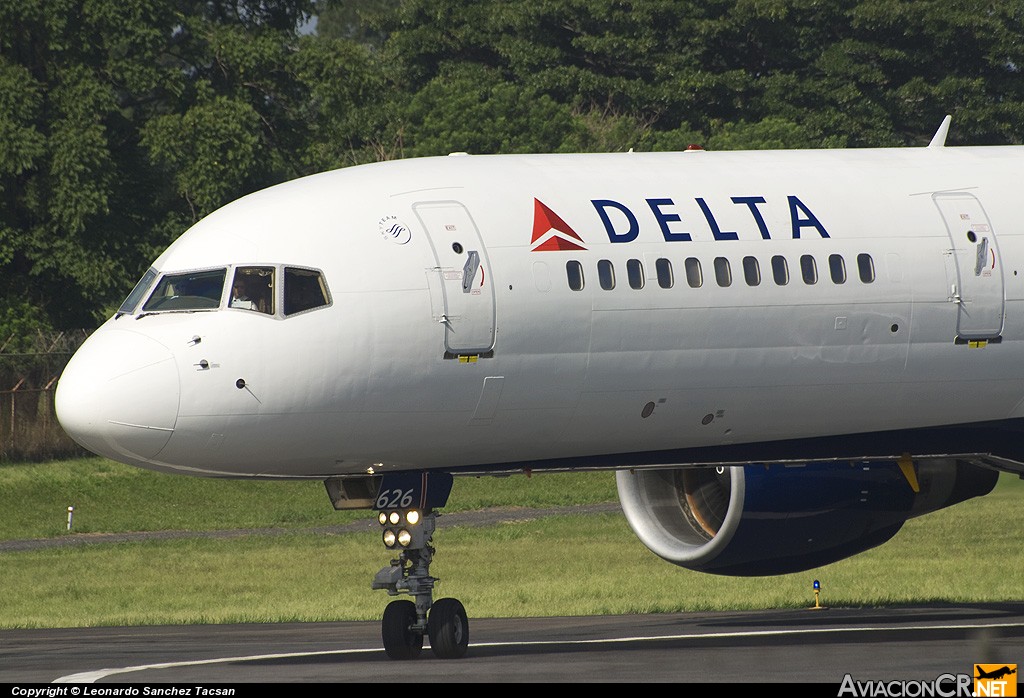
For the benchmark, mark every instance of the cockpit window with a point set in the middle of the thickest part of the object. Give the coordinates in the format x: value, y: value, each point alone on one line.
x: 197, y: 290
x: 253, y: 289
x: 304, y: 289
x: 137, y: 294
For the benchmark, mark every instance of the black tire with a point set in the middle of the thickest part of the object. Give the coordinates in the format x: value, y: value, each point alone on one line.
x: 448, y: 627
x: 400, y: 641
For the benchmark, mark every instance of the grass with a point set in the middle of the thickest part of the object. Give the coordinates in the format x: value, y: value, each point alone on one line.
x: 558, y: 566
x: 111, y: 497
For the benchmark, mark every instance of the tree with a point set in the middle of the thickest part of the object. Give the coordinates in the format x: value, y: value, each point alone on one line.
x: 853, y: 72
x: 121, y: 122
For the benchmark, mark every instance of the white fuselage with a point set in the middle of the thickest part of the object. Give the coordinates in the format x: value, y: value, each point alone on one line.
x: 429, y: 357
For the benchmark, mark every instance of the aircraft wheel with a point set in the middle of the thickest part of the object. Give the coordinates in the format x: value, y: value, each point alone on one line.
x: 400, y: 642
x: 448, y: 628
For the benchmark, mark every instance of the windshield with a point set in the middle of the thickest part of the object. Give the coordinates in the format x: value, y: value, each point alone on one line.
x: 253, y: 289
x: 140, y: 290
x: 198, y: 290
x: 304, y: 289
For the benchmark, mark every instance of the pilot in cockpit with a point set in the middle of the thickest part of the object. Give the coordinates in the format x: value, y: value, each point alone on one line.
x: 240, y: 296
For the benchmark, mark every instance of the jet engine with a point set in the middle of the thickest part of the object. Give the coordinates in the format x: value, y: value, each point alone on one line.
x: 757, y: 520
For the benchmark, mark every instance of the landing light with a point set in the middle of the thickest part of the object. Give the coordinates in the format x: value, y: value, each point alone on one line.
x: 403, y: 537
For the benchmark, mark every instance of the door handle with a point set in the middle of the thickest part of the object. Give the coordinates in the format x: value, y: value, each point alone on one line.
x: 469, y: 270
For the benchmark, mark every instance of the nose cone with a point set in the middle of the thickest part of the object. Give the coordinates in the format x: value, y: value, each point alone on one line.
x: 118, y: 396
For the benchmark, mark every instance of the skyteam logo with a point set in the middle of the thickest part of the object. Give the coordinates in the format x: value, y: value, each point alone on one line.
x: 551, y: 233
x: 394, y: 230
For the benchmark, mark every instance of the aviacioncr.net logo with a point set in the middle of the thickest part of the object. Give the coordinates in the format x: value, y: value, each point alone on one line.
x: 943, y: 686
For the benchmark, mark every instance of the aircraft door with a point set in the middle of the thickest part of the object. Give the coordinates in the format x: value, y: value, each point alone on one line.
x: 462, y: 274
x: 979, y: 286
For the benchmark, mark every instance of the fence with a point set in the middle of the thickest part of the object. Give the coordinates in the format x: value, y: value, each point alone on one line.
x: 29, y: 369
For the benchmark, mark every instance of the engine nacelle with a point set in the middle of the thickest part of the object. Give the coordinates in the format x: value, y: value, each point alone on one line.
x: 773, y: 519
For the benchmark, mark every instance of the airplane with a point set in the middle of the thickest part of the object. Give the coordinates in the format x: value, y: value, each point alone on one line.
x: 783, y: 355
x: 996, y: 673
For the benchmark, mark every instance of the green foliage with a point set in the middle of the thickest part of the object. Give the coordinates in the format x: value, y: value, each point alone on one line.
x: 19, y: 323
x: 348, y: 116
x: 348, y: 20
x: 20, y: 97
x: 99, y: 103
x: 771, y: 133
x: 470, y: 108
x: 212, y: 149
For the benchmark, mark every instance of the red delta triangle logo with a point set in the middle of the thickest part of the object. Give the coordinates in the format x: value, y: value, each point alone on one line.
x: 555, y: 233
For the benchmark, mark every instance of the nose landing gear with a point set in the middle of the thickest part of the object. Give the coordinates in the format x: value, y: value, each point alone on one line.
x: 405, y: 503
x: 406, y: 622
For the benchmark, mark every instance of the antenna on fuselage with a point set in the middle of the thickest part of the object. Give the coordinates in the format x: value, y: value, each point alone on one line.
x: 939, y: 139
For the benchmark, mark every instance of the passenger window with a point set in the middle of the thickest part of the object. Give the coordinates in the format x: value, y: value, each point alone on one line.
x: 723, y: 272
x: 304, y: 289
x: 664, y: 269
x: 780, y: 270
x: 574, y: 270
x: 751, y: 271
x: 199, y: 290
x: 253, y: 289
x: 809, y: 269
x: 635, y: 273
x: 606, y: 274
x: 866, y: 267
x: 693, y: 273
x: 837, y: 268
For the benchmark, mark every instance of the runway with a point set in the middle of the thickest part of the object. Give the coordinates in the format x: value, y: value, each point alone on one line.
x: 791, y: 646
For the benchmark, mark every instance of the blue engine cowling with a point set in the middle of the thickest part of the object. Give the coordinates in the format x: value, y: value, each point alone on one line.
x: 774, y: 519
